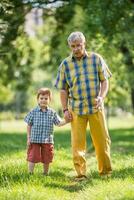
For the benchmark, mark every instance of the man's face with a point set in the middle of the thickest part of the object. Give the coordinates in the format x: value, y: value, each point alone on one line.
x: 78, y: 48
x: 43, y: 100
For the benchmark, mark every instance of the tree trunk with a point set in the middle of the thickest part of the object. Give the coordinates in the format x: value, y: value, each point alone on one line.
x: 132, y: 98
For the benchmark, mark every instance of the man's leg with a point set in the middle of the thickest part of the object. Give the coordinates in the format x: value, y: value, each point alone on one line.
x: 101, y: 141
x: 78, y: 138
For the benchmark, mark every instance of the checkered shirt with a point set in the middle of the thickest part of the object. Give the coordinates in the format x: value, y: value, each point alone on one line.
x: 82, y: 80
x: 42, y: 124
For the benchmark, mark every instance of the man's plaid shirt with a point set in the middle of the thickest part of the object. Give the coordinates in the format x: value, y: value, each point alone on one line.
x: 42, y: 124
x: 82, y: 80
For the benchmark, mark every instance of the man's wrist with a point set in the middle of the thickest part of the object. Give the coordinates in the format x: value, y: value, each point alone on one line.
x: 100, y: 97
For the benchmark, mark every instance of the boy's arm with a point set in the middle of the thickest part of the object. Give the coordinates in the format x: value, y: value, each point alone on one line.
x: 62, y: 123
x: 28, y: 134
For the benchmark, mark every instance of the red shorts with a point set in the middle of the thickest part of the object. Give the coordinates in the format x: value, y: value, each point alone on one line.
x: 40, y: 153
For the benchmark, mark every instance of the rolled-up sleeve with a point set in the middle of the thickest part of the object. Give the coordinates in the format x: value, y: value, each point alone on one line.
x: 104, y: 72
x: 60, y: 82
x: 29, y: 118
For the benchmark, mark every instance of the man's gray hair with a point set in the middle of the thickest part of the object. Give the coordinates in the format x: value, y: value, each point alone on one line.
x: 74, y: 36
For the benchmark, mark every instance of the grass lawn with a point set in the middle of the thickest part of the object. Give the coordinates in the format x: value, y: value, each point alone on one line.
x: 17, y: 184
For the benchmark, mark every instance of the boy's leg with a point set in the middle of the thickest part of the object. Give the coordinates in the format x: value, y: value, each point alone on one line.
x: 47, y: 153
x: 33, y: 156
x: 46, y: 169
x: 31, y: 167
x: 101, y: 141
x: 78, y: 139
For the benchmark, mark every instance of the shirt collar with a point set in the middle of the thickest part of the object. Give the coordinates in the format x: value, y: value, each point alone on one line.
x: 39, y: 108
x: 84, y: 56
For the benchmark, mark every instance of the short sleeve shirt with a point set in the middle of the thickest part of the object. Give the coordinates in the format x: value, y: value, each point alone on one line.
x: 82, y: 80
x: 42, y: 124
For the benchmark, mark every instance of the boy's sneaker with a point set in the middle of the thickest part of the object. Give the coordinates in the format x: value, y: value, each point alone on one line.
x: 80, y: 178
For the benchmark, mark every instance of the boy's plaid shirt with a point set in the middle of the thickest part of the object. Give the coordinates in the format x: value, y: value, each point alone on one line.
x: 82, y: 80
x: 42, y: 124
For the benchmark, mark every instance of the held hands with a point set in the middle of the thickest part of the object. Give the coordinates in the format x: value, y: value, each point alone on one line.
x: 98, y: 102
x: 68, y: 116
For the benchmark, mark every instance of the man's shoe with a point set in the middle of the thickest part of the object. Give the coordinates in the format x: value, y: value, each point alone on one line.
x: 80, y: 178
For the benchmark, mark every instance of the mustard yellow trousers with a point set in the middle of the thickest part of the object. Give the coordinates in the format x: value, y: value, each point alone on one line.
x: 100, y: 138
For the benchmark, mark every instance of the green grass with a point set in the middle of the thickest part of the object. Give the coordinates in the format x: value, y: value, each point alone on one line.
x: 17, y: 184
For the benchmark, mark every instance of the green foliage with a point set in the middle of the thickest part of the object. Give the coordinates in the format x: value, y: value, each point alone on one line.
x: 107, y: 26
x: 9, y: 22
x: 6, y: 94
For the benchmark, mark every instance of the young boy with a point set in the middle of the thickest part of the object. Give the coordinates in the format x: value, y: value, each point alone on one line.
x: 40, y: 122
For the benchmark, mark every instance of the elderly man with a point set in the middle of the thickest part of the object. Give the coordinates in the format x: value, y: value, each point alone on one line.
x: 83, y: 82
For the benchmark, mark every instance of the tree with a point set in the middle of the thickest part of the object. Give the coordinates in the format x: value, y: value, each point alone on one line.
x: 106, y: 24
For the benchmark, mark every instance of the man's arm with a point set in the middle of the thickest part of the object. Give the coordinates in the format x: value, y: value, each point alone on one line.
x: 64, y: 103
x: 102, y: 93
x: 103, y: 88
x: 64, y: 99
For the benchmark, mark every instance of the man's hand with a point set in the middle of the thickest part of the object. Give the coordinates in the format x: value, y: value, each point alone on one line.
x: 98, y: 102
x: 68, y: 116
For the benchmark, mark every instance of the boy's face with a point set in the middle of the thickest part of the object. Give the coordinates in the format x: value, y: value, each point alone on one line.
x: 43, y: 100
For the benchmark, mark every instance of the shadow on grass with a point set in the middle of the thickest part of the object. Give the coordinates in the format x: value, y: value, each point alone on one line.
x: 56, y: 180
x: 70, y: 186
x: 122, y: 141
x: 123, y: 173
x: 59, y: 180
x: 14, y: 142
x: 11, y: 143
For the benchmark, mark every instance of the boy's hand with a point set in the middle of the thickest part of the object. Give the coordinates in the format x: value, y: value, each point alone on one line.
x: 66, y: 121
x: 68, y: 116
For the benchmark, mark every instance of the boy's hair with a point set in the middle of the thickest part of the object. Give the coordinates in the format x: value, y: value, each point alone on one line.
x: 43, y: 91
